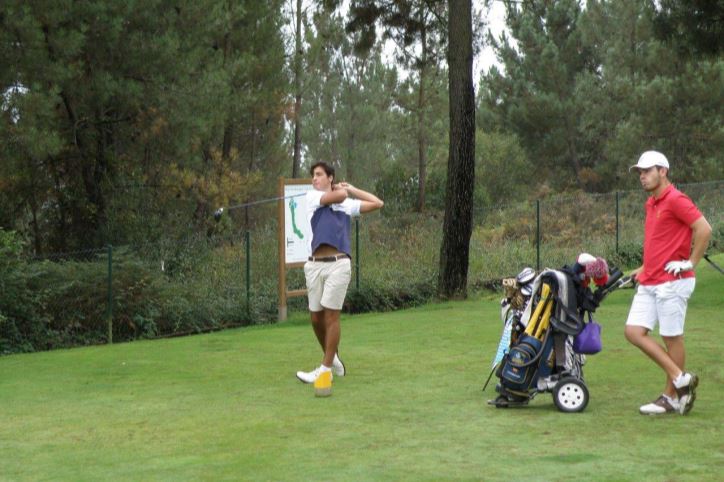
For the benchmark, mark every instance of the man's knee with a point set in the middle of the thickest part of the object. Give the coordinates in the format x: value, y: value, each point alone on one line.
x: 317, y: 317
x: 635, y: 334
x: 331, y: 316
x: 673, y: 341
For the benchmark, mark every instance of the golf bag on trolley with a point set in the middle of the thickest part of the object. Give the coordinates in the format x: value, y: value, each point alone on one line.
x: 538, y: 351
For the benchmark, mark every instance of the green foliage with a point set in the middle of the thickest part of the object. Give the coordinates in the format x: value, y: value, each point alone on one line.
x: 535, y: 98
x: 380, y: 297
x: 130, y: 122
x: 124, y: 121
x: 587, y: 90
x: 503, y: 173
x: 398, y: 186
x: 199, y: 284
x: 692, y: 26
x: 18, y: 304
x: 629, y: 256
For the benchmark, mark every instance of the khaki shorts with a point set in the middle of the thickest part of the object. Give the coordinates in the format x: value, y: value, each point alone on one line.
x: 665, y: 303
x: 327, y: 283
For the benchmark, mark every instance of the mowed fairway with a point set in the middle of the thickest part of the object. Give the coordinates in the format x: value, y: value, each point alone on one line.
x: 226, y: 406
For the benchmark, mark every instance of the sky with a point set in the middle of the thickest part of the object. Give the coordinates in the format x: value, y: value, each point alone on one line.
x: 495, y: 18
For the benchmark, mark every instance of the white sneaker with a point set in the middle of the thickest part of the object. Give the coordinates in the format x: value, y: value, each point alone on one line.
x: 660, y: 406
x: 309, y: 377
x: 686, y: 391
x: 338, y: 367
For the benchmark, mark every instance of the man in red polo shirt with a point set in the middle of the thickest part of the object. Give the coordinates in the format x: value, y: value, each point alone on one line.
x: 666, y: 281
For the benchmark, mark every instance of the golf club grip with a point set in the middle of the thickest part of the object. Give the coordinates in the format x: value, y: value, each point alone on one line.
x: 616, y: 275
x: 623, y: 281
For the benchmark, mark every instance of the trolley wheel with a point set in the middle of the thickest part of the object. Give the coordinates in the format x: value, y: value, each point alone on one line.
x: 570, y: 395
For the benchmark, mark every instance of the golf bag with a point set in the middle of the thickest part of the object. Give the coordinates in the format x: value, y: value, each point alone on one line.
x: 540, y: 355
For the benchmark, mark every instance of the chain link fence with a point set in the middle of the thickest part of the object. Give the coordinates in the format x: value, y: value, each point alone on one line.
x: 204, y: 283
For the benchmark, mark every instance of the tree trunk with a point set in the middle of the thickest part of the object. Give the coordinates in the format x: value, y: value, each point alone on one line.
x: 296, y: 162
x: 33, y: 203
x: 252, y: 150
x: 352, y: 137
x: 421, y: 130
x: 228, y: 127
x: 457, y: 226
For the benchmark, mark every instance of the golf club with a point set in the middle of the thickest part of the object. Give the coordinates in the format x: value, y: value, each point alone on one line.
x: 716, y: 267
x: 220, y: 211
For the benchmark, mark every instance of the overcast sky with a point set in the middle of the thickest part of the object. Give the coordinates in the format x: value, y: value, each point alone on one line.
x: 495, y: 18
x: 495, y: 22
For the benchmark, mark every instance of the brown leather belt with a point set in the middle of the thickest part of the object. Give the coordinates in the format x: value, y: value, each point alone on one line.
x: 328, y: 259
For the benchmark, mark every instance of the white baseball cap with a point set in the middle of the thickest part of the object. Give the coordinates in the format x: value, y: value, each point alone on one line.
x: 650, y: 159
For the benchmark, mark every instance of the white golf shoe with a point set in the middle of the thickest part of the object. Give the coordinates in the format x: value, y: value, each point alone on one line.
x: 338, y: 367
x: 308, y: 377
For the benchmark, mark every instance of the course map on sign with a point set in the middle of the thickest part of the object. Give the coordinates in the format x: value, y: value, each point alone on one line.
x: 297, y: 231
x: 293, y: 209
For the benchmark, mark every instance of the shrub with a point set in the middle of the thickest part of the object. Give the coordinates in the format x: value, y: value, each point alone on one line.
x: 21, y: 324
x: 630, y: 255
x: 378, y: 297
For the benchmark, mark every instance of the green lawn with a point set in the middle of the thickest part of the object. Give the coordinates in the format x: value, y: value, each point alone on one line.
x: 226, y: 406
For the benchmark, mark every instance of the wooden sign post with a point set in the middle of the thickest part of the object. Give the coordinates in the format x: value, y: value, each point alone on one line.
x: 294, y: 234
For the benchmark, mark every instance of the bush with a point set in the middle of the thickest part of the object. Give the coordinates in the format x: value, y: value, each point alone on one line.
x: 629, y: 256
x: 199, y: 284
x: 376, y: 297
x: 47, y: 305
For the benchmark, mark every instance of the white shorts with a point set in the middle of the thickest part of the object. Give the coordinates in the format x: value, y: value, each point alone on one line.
x: 665, y: 303
x: 327, y: 283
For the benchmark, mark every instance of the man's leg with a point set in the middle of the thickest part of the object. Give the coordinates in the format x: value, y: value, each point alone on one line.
x: 639, y: 337
x: 319, y: 326
x: 332, y: 335
x: 677, y: 353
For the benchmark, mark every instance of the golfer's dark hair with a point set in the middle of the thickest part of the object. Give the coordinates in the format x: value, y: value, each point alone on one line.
x: 328, y: 170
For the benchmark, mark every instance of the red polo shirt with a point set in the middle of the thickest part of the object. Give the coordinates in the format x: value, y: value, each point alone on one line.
x: 667, y: 235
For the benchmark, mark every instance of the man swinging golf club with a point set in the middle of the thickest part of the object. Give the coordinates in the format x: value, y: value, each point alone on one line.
x: 328, y: 270
x: 666, y: 281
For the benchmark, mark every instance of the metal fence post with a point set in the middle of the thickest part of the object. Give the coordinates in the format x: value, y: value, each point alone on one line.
x: 247, y: 243
x: 617, y: 233
x: 109, y: 316
x: 537, y: 234
x: 356, y: 262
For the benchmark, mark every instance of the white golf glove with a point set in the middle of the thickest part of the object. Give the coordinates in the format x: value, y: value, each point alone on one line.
x: 676, y: 267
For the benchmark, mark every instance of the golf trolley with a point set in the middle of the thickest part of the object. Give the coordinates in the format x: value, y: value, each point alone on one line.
x: 542, y: 316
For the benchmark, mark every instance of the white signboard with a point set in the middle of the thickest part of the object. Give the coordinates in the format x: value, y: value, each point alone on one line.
x: 297, y: 231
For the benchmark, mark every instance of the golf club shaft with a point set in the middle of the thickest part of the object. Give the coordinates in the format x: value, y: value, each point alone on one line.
x: 262, y: 201
x: 716, y: 267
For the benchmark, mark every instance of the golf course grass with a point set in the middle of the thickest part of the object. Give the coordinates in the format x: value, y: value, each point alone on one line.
x: 227, y: 406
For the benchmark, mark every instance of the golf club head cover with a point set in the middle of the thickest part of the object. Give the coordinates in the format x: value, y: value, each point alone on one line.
x: 579, y: 267
x: 585, y: 258
x: 598, y: 270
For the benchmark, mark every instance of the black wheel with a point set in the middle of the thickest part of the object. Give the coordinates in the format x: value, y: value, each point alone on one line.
x: 570, y: 395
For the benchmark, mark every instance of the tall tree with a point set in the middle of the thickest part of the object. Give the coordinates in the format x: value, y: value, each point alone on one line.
x: 298, y: 58
x: 693, y: 26
x: 457, y: 226
x: 535, y: 96
x: 349, y: 103
x: 646, y: 95
x: 184, y: 99
x: 417, y: 28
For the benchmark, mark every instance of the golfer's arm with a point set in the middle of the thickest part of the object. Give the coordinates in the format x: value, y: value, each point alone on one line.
x: 335, y: 196
x: 701, y: 235
x: 370, y: 202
